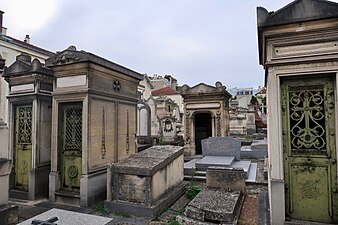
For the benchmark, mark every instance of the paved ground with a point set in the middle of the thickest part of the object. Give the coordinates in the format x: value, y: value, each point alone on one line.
x: 253, y: 211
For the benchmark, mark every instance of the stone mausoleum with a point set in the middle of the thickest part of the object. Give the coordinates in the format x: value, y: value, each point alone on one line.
x: 30, y: 104
x: 298, y: 47
x: 206, y: 114
x: 94, y: 123
x: 69, y: 118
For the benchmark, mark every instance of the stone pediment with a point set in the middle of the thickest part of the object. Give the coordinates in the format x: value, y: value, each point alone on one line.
x: 296, y: 12
x: 72, y: 55
x: 201, y: 88
x: 24, y: 65
x: 16, y: 68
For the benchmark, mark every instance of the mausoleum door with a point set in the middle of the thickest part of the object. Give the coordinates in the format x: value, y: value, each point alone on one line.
x: 308, y: 117
x: 203, y: 129
x: 71, y: 152
x: 23, y: 146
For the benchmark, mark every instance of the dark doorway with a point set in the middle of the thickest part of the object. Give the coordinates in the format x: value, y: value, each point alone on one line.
x: 203, y: 129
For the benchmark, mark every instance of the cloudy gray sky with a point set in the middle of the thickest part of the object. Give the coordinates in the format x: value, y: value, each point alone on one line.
x: 194, y: 40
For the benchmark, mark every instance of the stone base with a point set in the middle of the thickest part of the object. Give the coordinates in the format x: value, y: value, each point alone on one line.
x: 8, y: 215
x: 92, y: 189
x: 141, y: 210
x: 38, y: 185
x: 212, y: 206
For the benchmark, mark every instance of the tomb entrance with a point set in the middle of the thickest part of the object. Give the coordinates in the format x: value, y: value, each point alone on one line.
x: 206, y: 114
x: 203, y: 129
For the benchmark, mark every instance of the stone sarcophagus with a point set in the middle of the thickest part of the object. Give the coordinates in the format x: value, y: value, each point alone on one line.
x: 147, y: 182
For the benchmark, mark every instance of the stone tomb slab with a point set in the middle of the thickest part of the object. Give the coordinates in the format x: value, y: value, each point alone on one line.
x: 223, y: 161
x: 221, y: 146
x: 69, y: 218
x: 245, y: 165
x: 147, y: 182
x: 214, y: 206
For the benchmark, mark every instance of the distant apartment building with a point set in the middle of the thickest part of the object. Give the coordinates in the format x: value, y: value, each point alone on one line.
x: 10, y: 48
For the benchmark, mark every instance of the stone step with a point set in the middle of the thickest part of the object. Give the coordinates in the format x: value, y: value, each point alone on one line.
x: 16, y: 194
x: 250, y: 177
x: 245, y: 165
x: 67, y: 198
x: 205, y: 162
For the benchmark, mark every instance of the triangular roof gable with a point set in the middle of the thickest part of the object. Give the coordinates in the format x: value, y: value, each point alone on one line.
x: 299, y: 11
x: 201, y: 88
x: 16, y: 68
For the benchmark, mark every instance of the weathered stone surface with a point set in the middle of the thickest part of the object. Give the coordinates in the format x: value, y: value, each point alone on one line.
x: 205, y: 162
x: 221, y: 146
x: 226, y: 178
x: 5, y: 169
x: 148, y: 161
x: 8, y: 215
x: 259, y: 145
x: 215, y: 205
x: 69, y: 218
x: 147, y: 181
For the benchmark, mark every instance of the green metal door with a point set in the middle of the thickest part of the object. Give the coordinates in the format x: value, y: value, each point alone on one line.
x: 23, y: 146
x: 71, y: 157
x: 308, y: 116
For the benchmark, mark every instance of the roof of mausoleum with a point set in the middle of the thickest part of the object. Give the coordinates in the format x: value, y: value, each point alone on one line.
x: 297, y: 11
x: 24, y: 65
x: 72, y: 55
x: 205, y: 90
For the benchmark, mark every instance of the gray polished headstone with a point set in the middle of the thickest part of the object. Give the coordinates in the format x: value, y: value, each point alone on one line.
x: 221, y: 146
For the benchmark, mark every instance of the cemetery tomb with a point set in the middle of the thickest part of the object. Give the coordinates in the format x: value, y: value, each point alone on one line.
x: 220, y: 152
x: 65, y: 217
x: 206, y: 114
x: 94, y: 123
x: 147, y: 182
x: 30, y: 100
x: 220, y: 202
x: 298, y: 49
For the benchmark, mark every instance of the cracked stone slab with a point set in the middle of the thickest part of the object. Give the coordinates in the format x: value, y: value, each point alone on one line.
x: 216, y: 206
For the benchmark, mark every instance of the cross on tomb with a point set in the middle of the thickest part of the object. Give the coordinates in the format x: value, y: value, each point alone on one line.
x: 47, y: 222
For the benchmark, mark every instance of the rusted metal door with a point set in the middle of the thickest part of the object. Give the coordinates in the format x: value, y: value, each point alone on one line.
x: 308, y: 116
x: 71, y: 153
x: 23, y: 146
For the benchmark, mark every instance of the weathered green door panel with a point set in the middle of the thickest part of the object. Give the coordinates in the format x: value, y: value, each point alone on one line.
x: 23, y: 146
x: 310, y: 192
x: 308, y: 128
x: 71, y: 155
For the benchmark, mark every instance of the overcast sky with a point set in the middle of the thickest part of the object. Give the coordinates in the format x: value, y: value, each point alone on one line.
x: 193, y: 40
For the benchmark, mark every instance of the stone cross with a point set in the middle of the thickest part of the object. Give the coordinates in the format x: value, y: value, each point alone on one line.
x: 47, y: 222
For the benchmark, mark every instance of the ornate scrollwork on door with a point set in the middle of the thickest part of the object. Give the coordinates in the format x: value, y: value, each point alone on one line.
x: 25, y: 125
x: 73, y: 128
x: 307, y: 119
